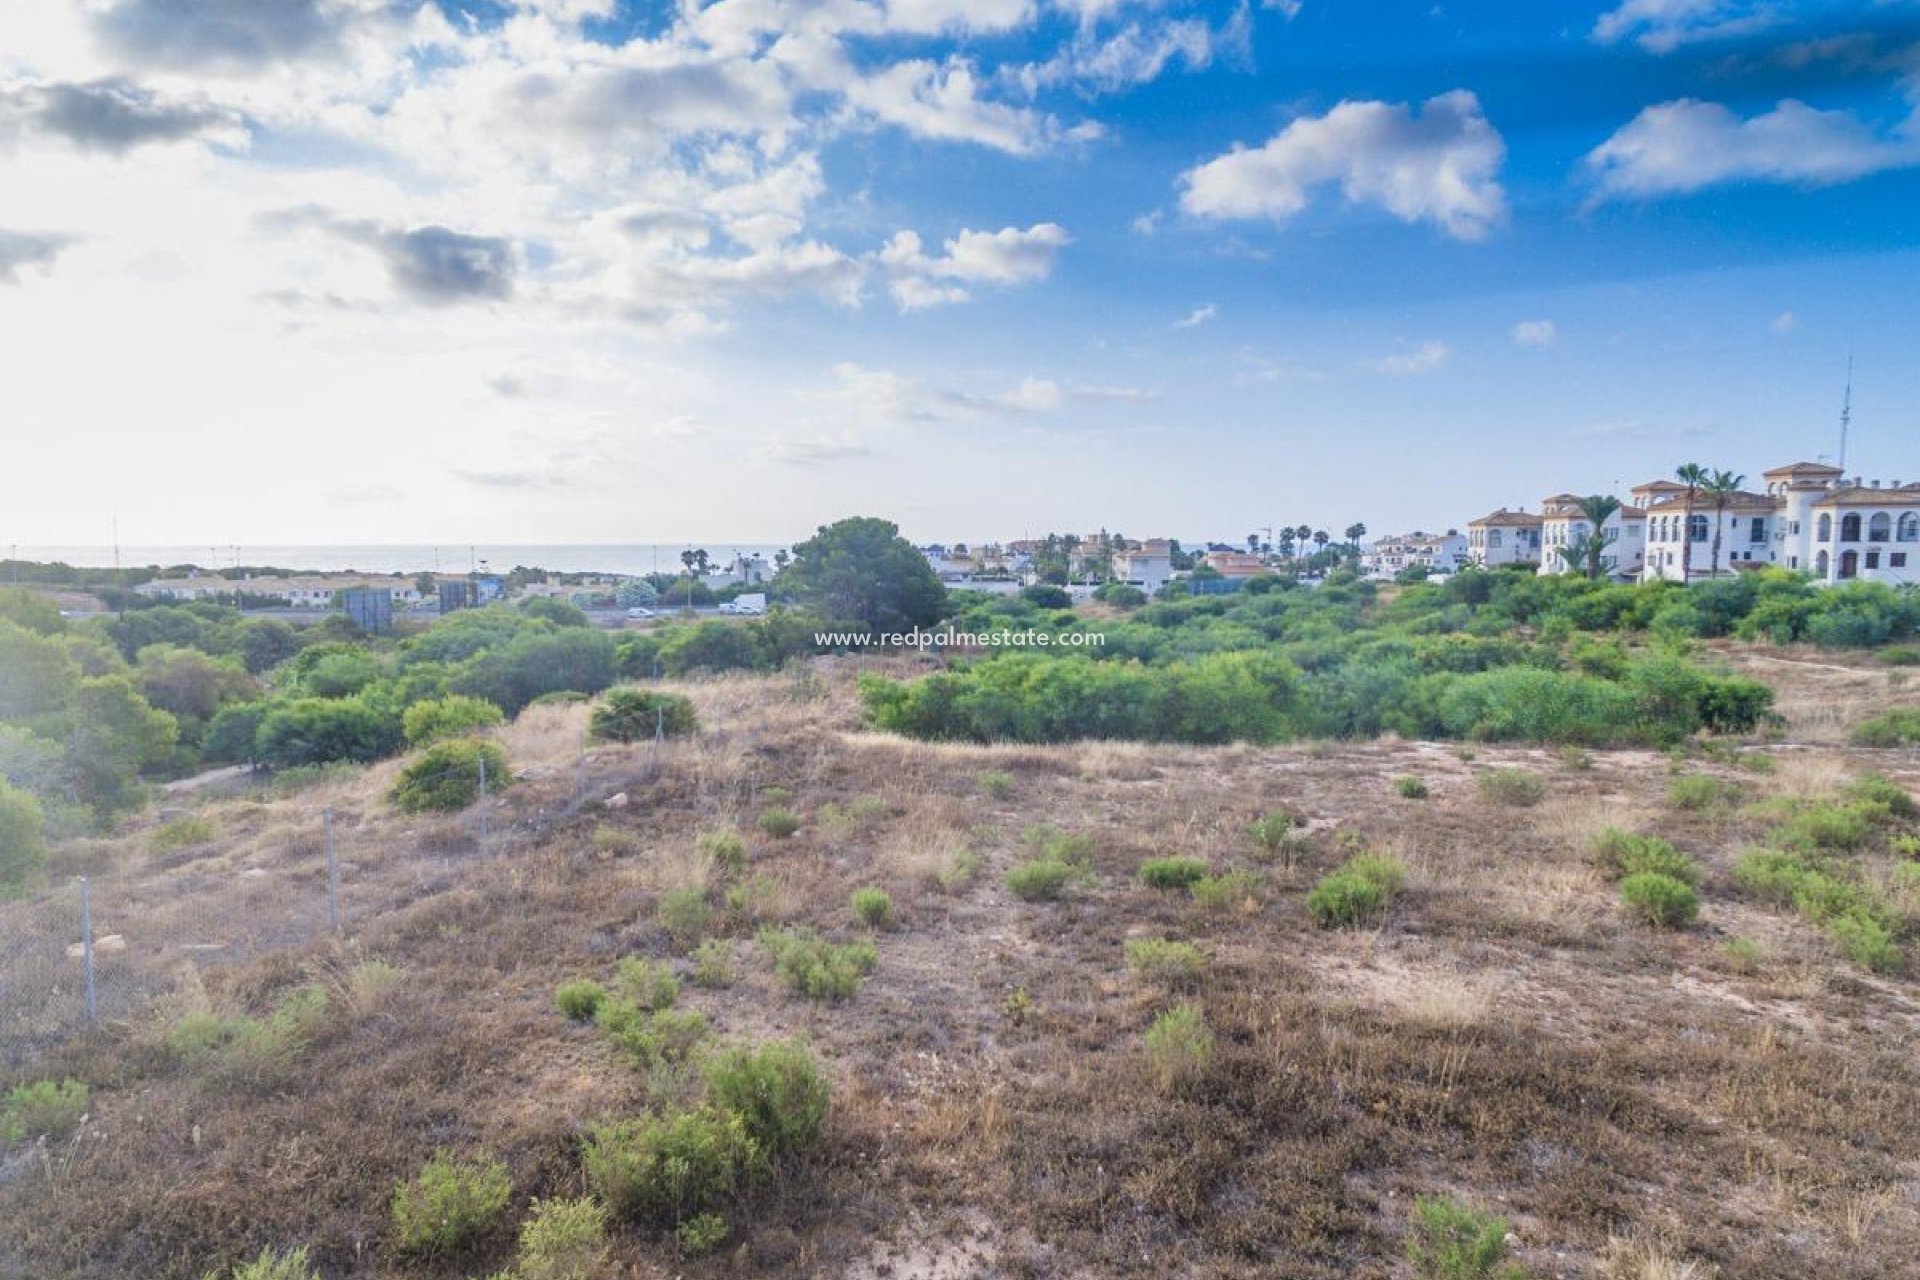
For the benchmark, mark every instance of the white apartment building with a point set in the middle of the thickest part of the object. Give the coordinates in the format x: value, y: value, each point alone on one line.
x: 1147, y: 565
x: 1564, y: 527
x: 1387, y: 557
x: 1504, y: 537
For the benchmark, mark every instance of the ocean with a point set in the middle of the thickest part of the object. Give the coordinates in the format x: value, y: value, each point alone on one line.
x: 633, y: 558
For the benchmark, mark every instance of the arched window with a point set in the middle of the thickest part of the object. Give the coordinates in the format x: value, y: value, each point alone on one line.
x: 1880, y: 527
x: 1820, y: 562
x: 1850, y: 527
x: 1909, y: 526
x: 1697, y: 528
x: 1826, y: 530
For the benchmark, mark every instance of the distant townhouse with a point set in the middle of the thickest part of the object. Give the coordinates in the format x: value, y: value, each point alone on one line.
x: 1565, y: 528
x: 316, y: 592
x: 1388, y: 557
x: 1147, y: 565
x: 1235, y: 564
x: 1504, y: 537
x: 1845, y: 530
x: 1682, y: 533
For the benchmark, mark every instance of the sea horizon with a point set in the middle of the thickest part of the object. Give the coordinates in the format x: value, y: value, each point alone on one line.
x: 611, y: 558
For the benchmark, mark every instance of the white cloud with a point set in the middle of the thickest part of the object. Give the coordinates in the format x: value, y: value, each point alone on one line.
x: 942, y: 100
x: 1197, y: 317
x: 1437, y: 165
x: 1687, y: 145
x: 812, y: 450
x: 1137, y: 53
x: 1661, y: 26
x: 1424, y: 358
x: 1536, y: 333
x: 1785, y: 322
x: 1009, y: 256
x: 1148, y: 223
x: 1288, y: 9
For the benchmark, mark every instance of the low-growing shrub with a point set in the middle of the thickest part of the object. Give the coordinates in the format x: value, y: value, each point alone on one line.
x: 872, y: 907
x: 637, y: 715
x: 651, y: 1038
x: 1514, y: 787
x: 1660, y: 900
x: 1075, y: 848
x: 997, y: 784
x: 816, y: 968
x: 712, y: 964
x: 579, y: 1000
x: 1356, y: 890
x: 779, y: 1092
x: 779, y: 823
x: 1179, y: 1049
x: 1897, y: 728
x: 683, y: 913
x: 183, y: 833
x: 1236, y: 890
x: 662, y: 1169
x: 1042, y: 880
x: 42, y: 1109
x: 1383, y: 869
x: 1697, y: 792
x: 959, y: 871
x: 1277, y: 834
x: 1448, y: 1240
x: 1175, y: 872
x: 1164, y: 960
x: 1410, y: 788
x: 1624, y: 854
x: 449, y: 1204
x: 1742, y: 954
x: 1867, y: 942
x: 251, y: 1049
x: 1826, y: 826
x: 272, y: 1264
x: 700, y: 1235
x: 448, y: 776
x: 562, y: 1240
x: 724, y: 850
x: 647, y: 984
x: 1876, y: 793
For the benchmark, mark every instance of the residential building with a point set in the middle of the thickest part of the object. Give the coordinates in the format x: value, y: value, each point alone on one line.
x: 1388, y: 557
x: 1564, y: 528
x: 1682, y: 533
x: 1147, y: 565
x: 1236, y: 564
x: 1504, y: 537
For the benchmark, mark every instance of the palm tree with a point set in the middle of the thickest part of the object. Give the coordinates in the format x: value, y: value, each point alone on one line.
x: 1355, y: 532
x: 1694, y: 476
x: 1722, y: 485
x: 1587, y: 552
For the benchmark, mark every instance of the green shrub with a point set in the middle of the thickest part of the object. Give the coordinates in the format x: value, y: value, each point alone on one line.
x: 1177, y: 872
x: 1867, y: 942
x: 23, y: 841
x: 636, y: 715
x: 1075, y: 848
x: 1164, y: 960
x: 779, y: 823
x: 656, y: 1038
x: 662, y: 1169
x: 449, y: 1204
x: 960, y: 870
x: 248, y: 1048
x: 1383, y: 869
x: 1901, y: 656
x: 779, y: 1092
x: 1042, y: 880
x: 1579, y: 759
x: 579, y: 1000
x: 183, y: 833
x: 447, y: 776
x: 701, y: 1234
x: 996, y: 784
x: 872, y: 907
x: 1874, y: 793
x: 1742, y: 954
x: 562, y: 1240
x: 1660, y: 900
x: 647, y: 984
x: 712, y: 964
x: 42, y: 1109
x: 1179, y: 1049
x: 816, y: 968
x: 1448, y: 1240
x: 1229, y: 891
x: 1277, y: 834
x: 1356, y: 891
x: 1514, y: 787
x: 273, y: 1265
x: 1825, y: 826
x: 453, y: 716
x: 1410, y: 788
x: 1698, y: 792
x: 683, y: 913
x: 724, y: 850
x: 1625, y: 855
x: 1897, y: 728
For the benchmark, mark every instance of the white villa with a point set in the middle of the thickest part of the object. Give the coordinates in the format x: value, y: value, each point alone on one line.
x: 1436, y: 552
x: 1564, y: 527
x: 1504, y: 537
x: 300, y: 593
x: 1147, y: 565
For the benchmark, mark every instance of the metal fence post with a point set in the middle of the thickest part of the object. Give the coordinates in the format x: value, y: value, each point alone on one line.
x: 333, y: 878
x: 483, y: 804
x: 86, y: 950
x: 580, y: 773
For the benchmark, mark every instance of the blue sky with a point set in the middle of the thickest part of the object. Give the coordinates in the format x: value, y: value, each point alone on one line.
x: 570, y: 270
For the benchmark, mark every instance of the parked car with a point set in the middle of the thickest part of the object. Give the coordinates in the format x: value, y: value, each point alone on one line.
x: 751, y: 604
x: 641, y: 611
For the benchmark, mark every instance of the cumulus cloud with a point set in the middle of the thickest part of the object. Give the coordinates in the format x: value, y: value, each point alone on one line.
x: 1661, y: 26
x: 110, y: 115
x: 812, y: 450
x: 1009, y: 256
x: 1197, y: 317
x: 1785, y: 322
x: 942, y: 100
x: 25, y: 249
x: 229, y: 35
x: 1439, y: 164
x: 429, y: 264
x: 1536, y: 333
x: 1687, y: 145
x: 1424, y: 358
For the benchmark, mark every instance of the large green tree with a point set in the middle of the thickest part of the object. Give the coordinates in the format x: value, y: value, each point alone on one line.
x: 861, y: 569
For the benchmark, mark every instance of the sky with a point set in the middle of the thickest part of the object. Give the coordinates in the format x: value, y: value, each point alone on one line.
x: 565, y: 271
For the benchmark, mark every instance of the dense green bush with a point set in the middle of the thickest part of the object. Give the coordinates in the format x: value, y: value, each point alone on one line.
x: 579, y: 1000
x: 1897, y: 728
x: 647, y: 984
x: 636, y: 715
x: 1356, y: 891
x: 778, y: 1090
x: 272, y: 1264
x: 813, y: 967
x: 1410, y: 788
x: 450, y: 776
x: 562, y: 1240
x: 1660, y: 900
x: 322, y: 730
x: 1698, y: 792
x: 1448, y: 1240
x: 1515, y: 787
x: 661, y: 1169
x: 1238, y: 889
x: 450, y: 1204
x: 1041, y: 880
x: 1164, y: 960
x: 779, y: 823
x: 1624, y: 854
x: 684, y: 913
x: 712, y: 964
x: 42, y: 1109
x: 872, y: 907
x: 23, y: 846
x: 1173, y: 872
x: 450, y: 717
